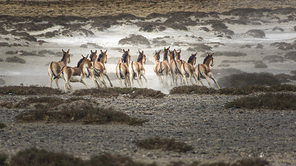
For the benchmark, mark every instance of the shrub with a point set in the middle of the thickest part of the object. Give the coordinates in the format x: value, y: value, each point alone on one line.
x: 28, y: 90
x: 282, y: 101
x: 291, y: 55
x: 114, y: 92
x: 249, y: 79
x: 15, y: 59
x: 260, y: 64
x: 134, y: 40
x: 256, y: 33
x: 29, y: 157
x: 87, y: 115
x: 164, y: 144
x: 193, y: 90
x: 3, y: 159
x: 2, y: 125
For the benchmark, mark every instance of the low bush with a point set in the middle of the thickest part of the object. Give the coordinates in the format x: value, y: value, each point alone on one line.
x: 2, y: 125
x: 33, y: 156
x: 87, y: 115
x: 249, y: 79
x: 193, y: 90
x: 164, y: 144
x: 282, y: 101
x: 114, y: 92
x: 29, y: 157
x: 15, y: 59
x: 3, y: 159
x: 28, y: 90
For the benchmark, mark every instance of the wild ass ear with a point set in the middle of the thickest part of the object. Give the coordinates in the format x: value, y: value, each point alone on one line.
x: 142, y: 52
x: 123, y: 51
x: 63, y: 51
x: 128, y: 50
x: 101, y: 52
x: 105, y: 51
x: 68, y: 51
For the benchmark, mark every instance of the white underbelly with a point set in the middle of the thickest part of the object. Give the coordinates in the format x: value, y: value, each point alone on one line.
x: 75, y: 79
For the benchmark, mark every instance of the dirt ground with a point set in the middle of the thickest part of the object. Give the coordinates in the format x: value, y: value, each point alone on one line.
x: 259, y: 38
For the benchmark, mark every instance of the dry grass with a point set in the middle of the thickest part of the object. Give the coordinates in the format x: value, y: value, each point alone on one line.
x: 28, y: 90
x: 2, y: 125
x: 33, y: 156
x: 86, y: 115
x: 281, y: 101
x: 114, y: 92
x: 233, y: 91
x: 164, y: 144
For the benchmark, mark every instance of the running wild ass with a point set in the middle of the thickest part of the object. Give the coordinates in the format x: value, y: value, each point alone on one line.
x: 76, y: 74
x: 122, y: 69
x: 161, y: 69
x: 55, y: 68
x: 187, y: 69
x: 203, y: 70
x: 98, y: 71
x: 138, y: 70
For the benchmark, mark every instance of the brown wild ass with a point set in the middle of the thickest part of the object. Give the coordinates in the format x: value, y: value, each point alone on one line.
x: 204, y: 71
x: 55, y: 68
x: 76, y: 74
x: 187, y: 69
x: 122, y: 69
x: 161, y: 69
x: 138, y: 70
x: 98, y: 71
x: 175, y: 71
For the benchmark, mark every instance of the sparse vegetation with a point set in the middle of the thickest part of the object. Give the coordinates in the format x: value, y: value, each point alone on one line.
x: 2, y: 125
x: 114, y: 92
x: 134, y: 40
x: 15, y: 59
x: 34, y: 156
x: 86, y: 115
x: 164, y: 144
x: 282, y: 101
x: 249, y: 79
x: 233, y: 91
x: 28, y: 90
x: 3, y: 159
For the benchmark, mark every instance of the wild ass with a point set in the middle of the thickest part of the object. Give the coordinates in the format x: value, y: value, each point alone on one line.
x: 203, y: 70
x: 98, y: 71
x: 122, y: 69
x: 161, y: 69
x: 187, y: 69
x: 55, y: 68
x: 76, y: 74
x: 138, y: 69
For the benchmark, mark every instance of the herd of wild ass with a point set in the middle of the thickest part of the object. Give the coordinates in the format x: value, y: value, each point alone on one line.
x: 93, y: 66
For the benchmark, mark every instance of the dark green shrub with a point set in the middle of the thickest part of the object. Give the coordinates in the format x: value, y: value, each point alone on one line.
x: 193, y: 90
x: 2, y: 125
x: 28, y: 90
x: 282, y: 101
x: 3, y: 159
x: 35, y: 157
x: 248, y: 79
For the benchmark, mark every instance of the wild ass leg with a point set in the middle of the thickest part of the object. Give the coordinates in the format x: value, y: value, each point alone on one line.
x: 212, y: 77
x: 109, y: 80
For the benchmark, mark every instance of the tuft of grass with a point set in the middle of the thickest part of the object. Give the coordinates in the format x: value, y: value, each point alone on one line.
x: 86, y: 116
x: 33, y: 156
x: 44, y: 102
x: 233, y: 91
x: 15, y: 59
x: 193, y: 90
x: 2, y: 125
x: 281, y: 101
x: 114, y: 92
x: 249, y: 79
x: 146, y: 93
x: 3, y: 159
x: 164, y: 144
x: 114, y: 160
x: 28, y: 90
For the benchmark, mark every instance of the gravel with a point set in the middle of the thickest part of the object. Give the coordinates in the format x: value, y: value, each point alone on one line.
x: 216, y: 133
